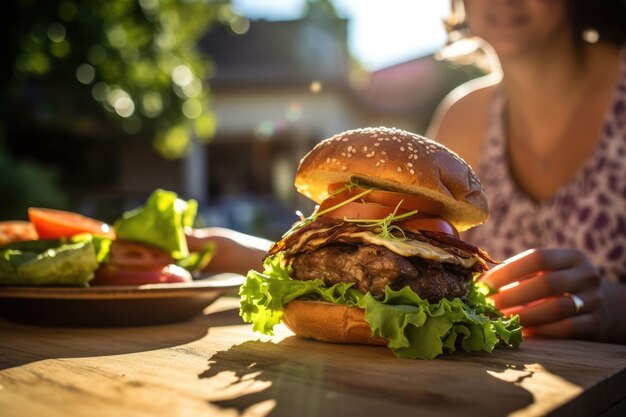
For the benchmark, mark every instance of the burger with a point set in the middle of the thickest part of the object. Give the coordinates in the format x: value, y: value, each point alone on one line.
x: 380, y: 261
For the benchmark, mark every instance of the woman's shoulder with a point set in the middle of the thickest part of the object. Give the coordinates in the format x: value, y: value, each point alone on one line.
x: 460, y: 121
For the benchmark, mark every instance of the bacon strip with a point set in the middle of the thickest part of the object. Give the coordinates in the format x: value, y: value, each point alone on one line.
x: 330, y: 230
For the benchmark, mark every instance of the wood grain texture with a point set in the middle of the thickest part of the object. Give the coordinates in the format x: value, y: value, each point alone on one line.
x: 215, y: 365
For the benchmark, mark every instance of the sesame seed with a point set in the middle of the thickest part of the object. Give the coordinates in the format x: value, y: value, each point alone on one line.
x: 365, y: 149
x: 399, y: 169
x: 412, y: 172
x: 378, y: 163
x: 384, y: 152
x: 343, y: 154
x: 350, y: 148
x: 327, y: 160
x: 409, y: 164
x: 401, y: 148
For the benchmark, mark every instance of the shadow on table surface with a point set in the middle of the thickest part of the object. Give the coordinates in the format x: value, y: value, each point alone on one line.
x: 304, y: 377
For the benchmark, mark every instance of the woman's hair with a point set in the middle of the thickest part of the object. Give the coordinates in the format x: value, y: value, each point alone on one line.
x: 605, y: 17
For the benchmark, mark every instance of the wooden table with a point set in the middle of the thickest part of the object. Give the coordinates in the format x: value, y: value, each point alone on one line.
x: 215, y: 365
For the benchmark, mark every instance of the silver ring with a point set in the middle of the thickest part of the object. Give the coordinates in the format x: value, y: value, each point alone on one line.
x: 579, y: 304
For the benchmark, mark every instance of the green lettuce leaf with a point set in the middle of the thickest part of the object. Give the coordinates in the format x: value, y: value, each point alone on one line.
x: 197, y: 261
x: 50, y: 262
x: 160, y: 222
x: 264, y: 295
x: 414, y: 327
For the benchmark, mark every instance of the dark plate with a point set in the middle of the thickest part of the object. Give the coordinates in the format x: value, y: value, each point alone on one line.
x: 114, y: 306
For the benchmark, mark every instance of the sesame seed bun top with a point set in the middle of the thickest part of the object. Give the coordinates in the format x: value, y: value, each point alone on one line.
x: 395, y: 160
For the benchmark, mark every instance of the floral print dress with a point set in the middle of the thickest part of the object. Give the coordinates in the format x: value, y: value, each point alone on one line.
x: 588, y: 213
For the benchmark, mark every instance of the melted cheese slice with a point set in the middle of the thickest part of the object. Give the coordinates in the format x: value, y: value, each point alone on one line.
x: 409, y: 247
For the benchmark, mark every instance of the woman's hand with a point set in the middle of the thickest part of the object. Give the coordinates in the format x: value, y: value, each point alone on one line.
x: 546, y: 287
x: 235, y: 252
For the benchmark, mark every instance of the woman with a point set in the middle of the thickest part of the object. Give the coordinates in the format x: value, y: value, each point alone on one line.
x: 548, y: 138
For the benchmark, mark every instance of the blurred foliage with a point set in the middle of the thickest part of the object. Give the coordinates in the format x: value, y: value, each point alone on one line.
x: 24, y: 184
x: 137, y: 58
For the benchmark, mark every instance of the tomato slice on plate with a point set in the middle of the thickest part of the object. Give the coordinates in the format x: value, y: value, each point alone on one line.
x: 54, y: 224
x: 137, y: 255
x: 16, y: 230
x: 394, y: 199
x: 109, y: 274
x: 433, y: 225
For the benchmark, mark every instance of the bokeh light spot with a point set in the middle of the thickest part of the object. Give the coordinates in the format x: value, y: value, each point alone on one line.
x: 60, y: 49
x: 174, y: 143
x: 294, y: 111
x: 315, y: 87
x: 193, y: 89
x: 192, y: 108
x: 39, y: 63
x: 182, y: 75
x: 121, y: 102
x: 56, y: 32
x: 170, y: 20
x: 85, y: 74
x: 149, y: 5
x: 124, y: 107
x: 205, y: 126
x: 117, y: 36
x: 239, y: 25
x: 152, y: 104
x: 164, y: 41
x: 100, y: 91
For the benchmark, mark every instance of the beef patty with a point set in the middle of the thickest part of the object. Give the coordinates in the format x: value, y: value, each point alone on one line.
x: 373, y: 267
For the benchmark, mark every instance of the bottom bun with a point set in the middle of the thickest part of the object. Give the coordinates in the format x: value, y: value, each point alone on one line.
x: 329, y: 323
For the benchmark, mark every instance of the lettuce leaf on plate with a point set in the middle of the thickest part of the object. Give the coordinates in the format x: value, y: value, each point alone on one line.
x: 414, y: 327
x: 160, y: 222
x: 52, y: 262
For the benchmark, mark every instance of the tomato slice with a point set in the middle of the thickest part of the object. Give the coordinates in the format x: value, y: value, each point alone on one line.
x: 362, y: 211
x: 137, y: 255
x: 109, y: 274
x: 16, y: 230
x: 54, y: 224
x: 388, y: 198
x: 433, y: 225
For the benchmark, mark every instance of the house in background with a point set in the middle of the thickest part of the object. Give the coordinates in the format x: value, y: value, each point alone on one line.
x: 277, y: 91
x: 280, y: 89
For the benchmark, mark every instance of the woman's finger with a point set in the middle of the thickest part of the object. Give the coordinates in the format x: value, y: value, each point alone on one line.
x: 583, y: 326
x: 529, y: 263
x: 554, y: 309
x: 547, y: 285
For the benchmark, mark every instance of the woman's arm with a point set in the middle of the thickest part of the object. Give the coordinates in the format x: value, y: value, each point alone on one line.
x: 235, y: 252
x: 460, y: 121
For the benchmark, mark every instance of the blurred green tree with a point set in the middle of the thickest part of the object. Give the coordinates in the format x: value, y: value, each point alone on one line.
x: 138, y: 59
